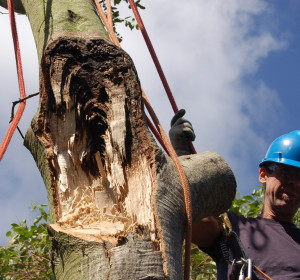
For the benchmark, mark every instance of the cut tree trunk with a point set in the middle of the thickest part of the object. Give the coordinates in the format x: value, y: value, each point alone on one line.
x: 116, y: 202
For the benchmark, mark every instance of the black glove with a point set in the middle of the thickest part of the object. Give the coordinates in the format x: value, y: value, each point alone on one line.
x: 181, y: 133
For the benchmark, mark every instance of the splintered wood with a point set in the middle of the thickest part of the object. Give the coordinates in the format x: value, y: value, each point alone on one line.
x: 90, y: 124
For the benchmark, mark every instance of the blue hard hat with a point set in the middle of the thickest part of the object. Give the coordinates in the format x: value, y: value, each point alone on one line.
x: 285, y: 149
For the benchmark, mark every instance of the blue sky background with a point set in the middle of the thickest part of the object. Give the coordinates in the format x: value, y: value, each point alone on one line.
x: 233, y: 65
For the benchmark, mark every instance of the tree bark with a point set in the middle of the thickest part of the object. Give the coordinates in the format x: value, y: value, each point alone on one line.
x: 115, y: 199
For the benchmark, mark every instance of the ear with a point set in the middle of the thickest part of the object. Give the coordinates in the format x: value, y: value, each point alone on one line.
x: 263, y: 175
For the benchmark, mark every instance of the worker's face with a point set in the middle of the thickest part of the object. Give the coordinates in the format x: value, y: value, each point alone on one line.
x: 282, y: 191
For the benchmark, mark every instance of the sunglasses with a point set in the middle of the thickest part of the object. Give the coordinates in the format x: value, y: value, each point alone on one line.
x: 285, y: 171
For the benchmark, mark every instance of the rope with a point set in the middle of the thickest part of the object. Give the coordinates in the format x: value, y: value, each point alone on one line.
x: 156, y: 134
x: 162, y: 137
x: 261, y: 273
x: 108, y: 27
x: 109, y: 13
x: 21, y: 107
x: 154, y: 56
x: 156, y: 62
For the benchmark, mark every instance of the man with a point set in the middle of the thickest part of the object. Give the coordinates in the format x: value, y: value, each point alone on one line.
x: 271, y: 241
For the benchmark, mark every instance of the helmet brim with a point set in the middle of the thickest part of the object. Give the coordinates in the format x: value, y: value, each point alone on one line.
x: 281, y: 161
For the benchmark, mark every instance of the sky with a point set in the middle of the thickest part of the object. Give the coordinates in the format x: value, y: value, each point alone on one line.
x: 234, y: 66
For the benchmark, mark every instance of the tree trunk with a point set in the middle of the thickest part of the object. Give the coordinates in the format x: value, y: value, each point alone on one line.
x: 115, y: 199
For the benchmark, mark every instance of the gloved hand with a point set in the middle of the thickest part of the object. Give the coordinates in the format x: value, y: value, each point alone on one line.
x: 181, y: 133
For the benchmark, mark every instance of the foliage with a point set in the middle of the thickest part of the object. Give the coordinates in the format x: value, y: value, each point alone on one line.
x: 27, y: 254
x: 249, y: 205
x: 128, y: 21
x: 202, y: 266
x: 297, y: 218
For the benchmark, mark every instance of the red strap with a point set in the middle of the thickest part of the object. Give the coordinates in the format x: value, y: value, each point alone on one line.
x: 153, y: 54
x: 21, y: 108
x: 109, y: 13
x: 157, y: 135
x: 109, y: 28
x: 267, y: 277
x: 156, y: 62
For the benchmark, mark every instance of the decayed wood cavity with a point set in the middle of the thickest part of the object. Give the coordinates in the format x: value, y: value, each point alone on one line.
x: 92, y: 126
